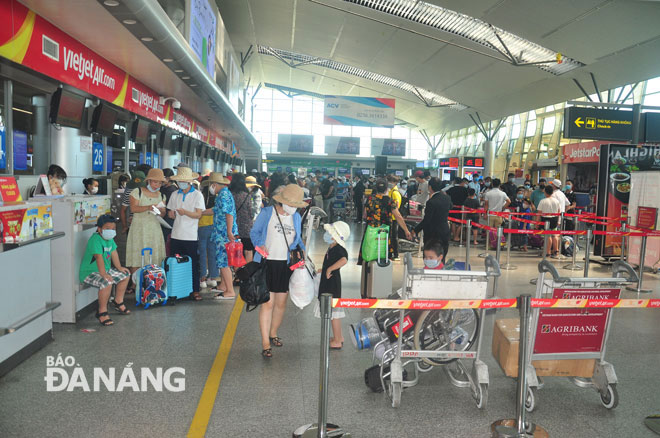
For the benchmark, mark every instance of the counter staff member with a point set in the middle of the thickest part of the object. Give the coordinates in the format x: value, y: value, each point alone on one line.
x: 56, y: 178
x: 91, y: 186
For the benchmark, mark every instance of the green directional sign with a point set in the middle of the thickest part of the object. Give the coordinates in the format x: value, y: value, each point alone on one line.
x: 598, y: 124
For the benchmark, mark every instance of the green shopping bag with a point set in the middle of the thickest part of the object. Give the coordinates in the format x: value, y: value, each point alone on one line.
x: 374, y: 245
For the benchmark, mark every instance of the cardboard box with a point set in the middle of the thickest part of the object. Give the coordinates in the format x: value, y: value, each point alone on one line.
x: 506, y: 341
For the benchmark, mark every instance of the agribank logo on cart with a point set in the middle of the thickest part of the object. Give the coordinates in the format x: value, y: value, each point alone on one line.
x: 569, y: 329
x: 65, y: 374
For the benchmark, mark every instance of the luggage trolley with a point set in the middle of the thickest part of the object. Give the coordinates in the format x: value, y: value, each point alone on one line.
x: 559, y: 334
x: 440, y: 337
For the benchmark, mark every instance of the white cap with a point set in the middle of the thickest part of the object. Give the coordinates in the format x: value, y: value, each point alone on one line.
x: 556, y: 183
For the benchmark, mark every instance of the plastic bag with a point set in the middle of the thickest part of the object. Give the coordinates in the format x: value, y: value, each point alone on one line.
x: 374, y: 245
x: 235, y: 257
x: 302, y: 287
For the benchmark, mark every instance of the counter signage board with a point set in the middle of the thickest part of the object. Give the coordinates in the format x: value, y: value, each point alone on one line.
x: 10, y: 225
x: 647, y: 217
x: 453, y: 162
x: 9, y: 189
x: 588, y: 152
x: 473, y: 162
x: 598, y: 124
x: 97, y: 157
x: 573, y: 330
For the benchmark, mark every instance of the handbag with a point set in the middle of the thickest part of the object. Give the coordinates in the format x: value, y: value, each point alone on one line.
x: 296, y: 256
x: 252, y: 283
x: 235, y: 257
x: 374, y: 245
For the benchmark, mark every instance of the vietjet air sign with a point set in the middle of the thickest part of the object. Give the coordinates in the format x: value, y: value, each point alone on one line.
x: 30, y: 40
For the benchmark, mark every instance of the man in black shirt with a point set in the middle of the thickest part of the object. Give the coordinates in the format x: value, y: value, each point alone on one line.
x: 328, y: 195
x: 458, y: 194
x: 435, y: 224
x: 509, y: 187
x: 572, y: 200
x: 358, y: 195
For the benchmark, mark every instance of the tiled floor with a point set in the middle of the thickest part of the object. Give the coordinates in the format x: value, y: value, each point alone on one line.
x: 267, y: 398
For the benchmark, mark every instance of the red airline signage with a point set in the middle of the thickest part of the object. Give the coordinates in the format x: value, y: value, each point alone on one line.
x: 30, y: 40
x: 587, y: 152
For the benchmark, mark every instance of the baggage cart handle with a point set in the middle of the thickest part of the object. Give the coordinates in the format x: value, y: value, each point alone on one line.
x: 546, y: 266
x: 621, y: 267
x: 492, y: 267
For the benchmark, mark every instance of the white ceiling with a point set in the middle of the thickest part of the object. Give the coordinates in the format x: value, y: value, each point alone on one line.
x: 618, y: 40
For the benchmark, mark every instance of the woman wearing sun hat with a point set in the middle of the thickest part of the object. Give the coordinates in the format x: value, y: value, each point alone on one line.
x: 145, y: 229
x: 186, y: 206
x: 225, y: 230
x: 276, y: 232
x: 336, y: 235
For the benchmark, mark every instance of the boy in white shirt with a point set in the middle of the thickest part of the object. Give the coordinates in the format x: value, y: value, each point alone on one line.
x: 185, y: 207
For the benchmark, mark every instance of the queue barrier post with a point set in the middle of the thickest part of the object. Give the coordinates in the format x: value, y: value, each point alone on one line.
x: 323, y: 429
x: 642, y: 256
x: 519, y: 427
x: 624, y: 241
x: 508, y: 266
x: 485, y: 254
x: 467, y: 243
x: 545, y: 248
x: 587, y: 251
x: 460, y: 238
x: 574, y: 266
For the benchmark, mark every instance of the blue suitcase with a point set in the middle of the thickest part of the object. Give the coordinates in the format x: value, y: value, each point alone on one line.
x: 151, y: 283
x: 178, y: 275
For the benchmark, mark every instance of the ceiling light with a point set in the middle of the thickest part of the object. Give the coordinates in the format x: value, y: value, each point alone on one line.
x: 147, y: 39
x: 129, y: 21
x: 111, y: 3
x: 185, y: 77
x: 167, y: 60
x: 193, y: 85
x: 178, y: 71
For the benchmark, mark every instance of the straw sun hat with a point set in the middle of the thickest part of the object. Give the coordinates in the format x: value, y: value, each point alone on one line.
x: 340, y: 231
x: 216, y: 177
x: 291, y: 195
x: 184, y: 174
x: 156, y: 175
x: 251, y: 181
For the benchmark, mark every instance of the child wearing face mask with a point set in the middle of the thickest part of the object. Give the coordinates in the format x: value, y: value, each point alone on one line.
x: 433, y: 255
x: 336, y: 235
x: 96, y: 268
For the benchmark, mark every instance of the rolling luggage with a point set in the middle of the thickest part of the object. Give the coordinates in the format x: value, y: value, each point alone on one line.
x: 178, y: 270
x: 492, y: 238
x: 151, y: 283
x: 377, y: 274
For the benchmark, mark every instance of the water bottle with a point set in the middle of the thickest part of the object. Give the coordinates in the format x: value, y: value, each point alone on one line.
x: 458, y: 336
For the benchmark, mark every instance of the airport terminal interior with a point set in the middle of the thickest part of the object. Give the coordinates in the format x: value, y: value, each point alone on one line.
x: 329, y: 218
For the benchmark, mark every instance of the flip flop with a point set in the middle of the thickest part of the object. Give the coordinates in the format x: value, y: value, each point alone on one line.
x: 221, y: 296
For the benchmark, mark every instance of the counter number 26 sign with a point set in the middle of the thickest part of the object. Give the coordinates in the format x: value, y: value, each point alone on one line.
x: 97, y: 157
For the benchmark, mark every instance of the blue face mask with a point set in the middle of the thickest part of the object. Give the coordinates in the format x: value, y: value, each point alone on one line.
x: 184, y: 186
x: 431, y: 263
x: 519, y: 196
x: 327, y: 238
x: 108, y: 234
x: 152, y: 190
x: 568, y: 187
x: 487, y: 184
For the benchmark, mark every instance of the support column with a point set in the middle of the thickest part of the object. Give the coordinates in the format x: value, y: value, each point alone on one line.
x: 41, y: 138
x: 489, y: 157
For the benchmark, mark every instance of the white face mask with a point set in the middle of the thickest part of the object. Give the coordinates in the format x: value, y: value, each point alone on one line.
x: 184, y: 185
x: 288, y: 209
x: 212, y: 189
x: 95, y: 190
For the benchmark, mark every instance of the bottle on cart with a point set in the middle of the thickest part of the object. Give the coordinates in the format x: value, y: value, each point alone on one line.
x: 458, y: 336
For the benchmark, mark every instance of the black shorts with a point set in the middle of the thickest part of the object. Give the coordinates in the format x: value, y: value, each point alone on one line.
x: 247, y: 244
x: 552, y: 222
x: 277, y: 276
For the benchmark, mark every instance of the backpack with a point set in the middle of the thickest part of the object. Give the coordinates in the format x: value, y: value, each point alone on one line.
x: 252, y: 283
x: 567, y: 246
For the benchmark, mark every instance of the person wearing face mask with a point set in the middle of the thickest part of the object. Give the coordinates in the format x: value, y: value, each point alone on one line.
x: 56, y: 179
x: 509, y: 187
x: 519, y: 205
x: 538, y: 194
x: 572, y: 202
x: 91, y: 186
x: 96, y: 268
x: 185, y: 207
x: 145, y: 229
x: 433, y: 255
x: 276, y: 232
x: 336, y: 235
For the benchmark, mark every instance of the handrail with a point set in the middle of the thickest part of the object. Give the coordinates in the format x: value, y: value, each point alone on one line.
x: 28, y: 319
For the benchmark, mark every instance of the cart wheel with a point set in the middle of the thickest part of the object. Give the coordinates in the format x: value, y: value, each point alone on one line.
x: 530, y: 401
x: 396, y: 394
x: 482, y: 395
x: 611, y: 399
x: 423, y: 367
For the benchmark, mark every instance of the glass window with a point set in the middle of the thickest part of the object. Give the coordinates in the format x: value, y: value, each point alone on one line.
x: 23, y: 119
x: 361, y: 131
x: 652, y: 85
x: 341, y: 131
x: 652, y: 99
x: 548, y: 125
x: 515, y: 131
x: 176, y: 11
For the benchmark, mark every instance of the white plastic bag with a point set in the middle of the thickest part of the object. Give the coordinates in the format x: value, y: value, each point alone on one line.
x: 302, y: 287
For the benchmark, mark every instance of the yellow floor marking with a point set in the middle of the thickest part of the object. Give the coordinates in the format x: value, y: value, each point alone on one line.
x: 205, y: 406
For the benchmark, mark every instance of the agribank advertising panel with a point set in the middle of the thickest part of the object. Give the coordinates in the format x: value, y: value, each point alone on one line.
x: 617, y: 163
x: 358, y: 111
x: 30, y: 40
x: 203, y: 26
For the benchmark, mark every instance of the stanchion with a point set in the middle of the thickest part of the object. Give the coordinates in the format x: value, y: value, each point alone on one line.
x: 497, y: 254
x: 587, y: 251
x: 574, y: 266
x: 624, y: 241
x: 508, y: 266
x: 519, y: 427
x: 642, y: 254
x: 467, y: 244
x: 483, y: 255
x: 323, y: 429
x: 545, y: 249
x: 460, y: 237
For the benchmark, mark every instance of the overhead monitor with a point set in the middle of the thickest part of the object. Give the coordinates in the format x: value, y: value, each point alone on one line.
x: 103, y: 119
x: 140, y: 131
x: 388, y: 147
x: 66, y: 108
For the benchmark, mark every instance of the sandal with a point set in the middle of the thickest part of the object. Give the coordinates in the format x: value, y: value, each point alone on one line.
x: 267, y: 353
x: 105, y: 322
x: 118, y: 307
x: 276, y: 341
x: 195, y: 296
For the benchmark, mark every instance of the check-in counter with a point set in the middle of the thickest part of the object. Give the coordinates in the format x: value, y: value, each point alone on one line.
x: 75, y: 216
x: 26, y: 237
